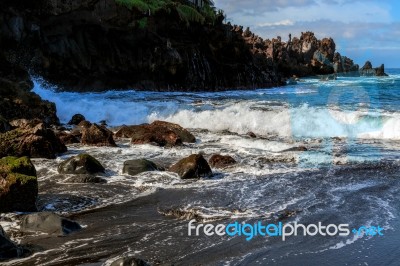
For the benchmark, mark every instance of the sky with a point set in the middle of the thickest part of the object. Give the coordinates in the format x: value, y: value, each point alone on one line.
x: 362, y: 29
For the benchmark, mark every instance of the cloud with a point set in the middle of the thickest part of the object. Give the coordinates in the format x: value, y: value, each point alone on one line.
x: 286, y: 22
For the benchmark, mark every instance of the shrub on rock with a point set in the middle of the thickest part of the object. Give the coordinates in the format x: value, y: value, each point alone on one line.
x: 18, y: 185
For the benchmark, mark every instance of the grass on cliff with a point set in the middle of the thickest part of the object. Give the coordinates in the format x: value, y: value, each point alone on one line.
x: 187, y: 12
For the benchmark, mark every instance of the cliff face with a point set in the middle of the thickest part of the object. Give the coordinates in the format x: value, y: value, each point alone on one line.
x: 100, y: 44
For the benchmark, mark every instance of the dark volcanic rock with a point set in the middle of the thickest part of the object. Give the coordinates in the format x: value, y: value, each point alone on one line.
x: 368, y: 70
x: 194, y: 166
x: 221, y: 161
x: 129, y: 261
x: 35, y: 142
x: 4, y: 125
x: 159, y: 132
x: 16, y: 99
x: 88, y: 40
x: 251, y: 135
x: 49, y: 223
x: 76, y: 119
x: 96, y: 135
x: 67, y: 138
x: 81, y: 164
x: 8, y: 250
x: 18, y: 185
x: 134, y: 167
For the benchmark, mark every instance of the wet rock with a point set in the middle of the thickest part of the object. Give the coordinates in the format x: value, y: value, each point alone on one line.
x: 76, y: 119
x: 221, y: 161
x: 81, y: 164
x: 194, y: 166
x: 8, y: 250
x: 129, y: 261
x: 49, y: 223
x: 83, y: 178
x: 159, y: 133
x: 35, y: 142
x: 368, y: 70
x: 84, y: 124
x: 16, y: 99
x: 18, y: 185
x: 96, y: 135
x: 299, y: 148
x: 183, y: 134
x: 251, y: 134
x: 67, y: 138
x: 134, y: 167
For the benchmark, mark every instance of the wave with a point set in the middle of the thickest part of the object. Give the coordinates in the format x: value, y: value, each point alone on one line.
x: 237, y: 111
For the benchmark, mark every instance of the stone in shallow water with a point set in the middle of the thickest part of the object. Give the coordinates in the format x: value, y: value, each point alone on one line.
x: 81, y: 164
x: 49, y: 223
x: 135, y: 167
x: 194, y: 166
x: 221, y: 161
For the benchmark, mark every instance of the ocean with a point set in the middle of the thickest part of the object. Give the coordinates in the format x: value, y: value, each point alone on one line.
x: 326, y: 151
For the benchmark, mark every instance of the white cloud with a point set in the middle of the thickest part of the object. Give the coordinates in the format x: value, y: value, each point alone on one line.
x: 286, y: 22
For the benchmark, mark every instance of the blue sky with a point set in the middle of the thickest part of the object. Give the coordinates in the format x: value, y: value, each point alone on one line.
x: 363, y: 30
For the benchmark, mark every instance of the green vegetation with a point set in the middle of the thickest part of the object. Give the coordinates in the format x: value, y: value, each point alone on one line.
x: 22, y: 165
x: 188, y: 13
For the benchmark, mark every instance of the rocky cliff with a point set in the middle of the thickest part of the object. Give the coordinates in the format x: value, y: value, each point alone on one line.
x: 91, y: 45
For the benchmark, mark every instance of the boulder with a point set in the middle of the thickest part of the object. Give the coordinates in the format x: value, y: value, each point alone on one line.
x: 134, y: 167
x: 194, y: 166
x: 183, y: 134
x: 49, y: 223
x: 8, y: 250
x: 159, y: 133
x: 76, y: 119
x: 18, y: 185
x: 35, y: 142
x: 129, y: 261
x: 67, y: 138
x: 221, y: 161
x: 81, y: 164
x: 96, y: 135
x: 251, y: 135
